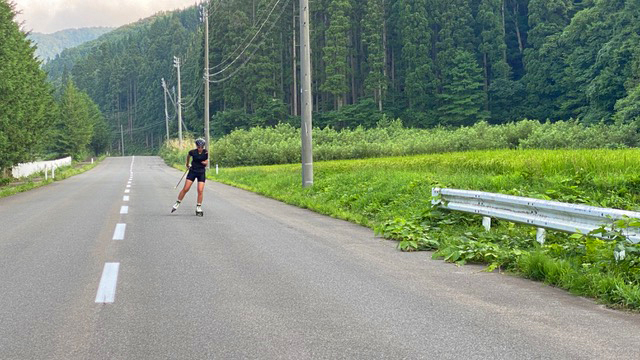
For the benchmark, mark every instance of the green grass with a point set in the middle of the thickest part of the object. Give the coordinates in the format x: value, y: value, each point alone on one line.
x: 375, y: 190
x: 61, y: 174
x: 393, y: 196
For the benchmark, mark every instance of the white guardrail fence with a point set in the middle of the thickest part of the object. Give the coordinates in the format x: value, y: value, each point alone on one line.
x: 543, y: 214
x: 22, y: 170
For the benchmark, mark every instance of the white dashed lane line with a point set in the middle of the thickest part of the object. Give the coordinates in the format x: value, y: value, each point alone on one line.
x: 125, y: 198
x: 107, y: 288
x: 118, y: 234
x: 124, y: 210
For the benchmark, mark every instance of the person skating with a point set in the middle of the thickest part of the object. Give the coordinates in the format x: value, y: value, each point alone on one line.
x: 199, y: 161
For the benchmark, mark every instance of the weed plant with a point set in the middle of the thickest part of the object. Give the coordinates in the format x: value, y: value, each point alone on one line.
x: 393, y: 196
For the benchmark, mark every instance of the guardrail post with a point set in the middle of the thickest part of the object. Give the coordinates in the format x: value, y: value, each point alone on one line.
x: 486, y: 222
x: 216, y: 169
x: 540, y: 235
x: 53, y: 172
x: 435, y: 192
x: 46, y: 170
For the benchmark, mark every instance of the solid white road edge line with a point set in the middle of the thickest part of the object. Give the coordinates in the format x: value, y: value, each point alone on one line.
x: 124, y: 209
x: 118, y: 234
x: 107, y: 288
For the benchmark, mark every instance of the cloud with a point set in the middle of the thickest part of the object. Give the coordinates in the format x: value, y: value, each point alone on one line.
x: 52, y: 15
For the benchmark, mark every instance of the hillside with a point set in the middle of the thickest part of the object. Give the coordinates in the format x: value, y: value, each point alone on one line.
x: 50, y: 45
x: 428, y: 62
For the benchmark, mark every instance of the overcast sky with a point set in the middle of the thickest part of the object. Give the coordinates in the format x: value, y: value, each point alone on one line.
x: 47, y: 16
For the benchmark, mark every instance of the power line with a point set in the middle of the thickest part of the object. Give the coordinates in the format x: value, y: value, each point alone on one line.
x: 253, y: 53
x: 232, y: 54
x: 250, y: 42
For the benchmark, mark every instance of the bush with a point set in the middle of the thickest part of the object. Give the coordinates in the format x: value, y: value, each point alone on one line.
x: 280, y: 144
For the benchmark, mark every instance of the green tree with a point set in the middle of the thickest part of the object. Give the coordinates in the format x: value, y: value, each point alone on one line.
x: 75, y: 127
x: 493, y: 47
x: 462, y: 97
x: 415, y: 30
x: 544, y: 60
x: 376, y: 78
x: 25, y: 97
x: 335, y: 52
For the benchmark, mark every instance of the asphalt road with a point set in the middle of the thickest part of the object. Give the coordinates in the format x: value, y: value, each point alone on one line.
x: 257, y: 279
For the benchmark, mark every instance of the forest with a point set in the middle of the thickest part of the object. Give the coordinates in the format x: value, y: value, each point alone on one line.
x: 428, y: 62
x: 37, y: 120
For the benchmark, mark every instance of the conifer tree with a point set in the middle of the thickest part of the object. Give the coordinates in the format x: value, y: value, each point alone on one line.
x: 335, y: 51
x: 462, y: 97
x: 376, y: 79
x: 75, y: 127
x: 25, y: 97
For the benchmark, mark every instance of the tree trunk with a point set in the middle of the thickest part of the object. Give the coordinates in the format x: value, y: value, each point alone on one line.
x: 517, y: 24
x: 486, y: 81
x: 354, y: 95
x: 504, y: 32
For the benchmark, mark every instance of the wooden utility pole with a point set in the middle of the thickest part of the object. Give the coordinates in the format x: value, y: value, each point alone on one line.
x: 307, y: 99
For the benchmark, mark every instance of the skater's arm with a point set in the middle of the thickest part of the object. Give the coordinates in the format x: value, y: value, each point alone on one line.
x: 205, y: 162
x: 187, y: 164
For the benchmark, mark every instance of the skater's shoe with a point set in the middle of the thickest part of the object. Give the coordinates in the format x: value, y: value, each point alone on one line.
x: 175, y: 206
x: 199, y: 210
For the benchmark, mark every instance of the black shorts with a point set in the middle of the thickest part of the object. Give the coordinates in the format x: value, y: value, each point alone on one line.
x: 193, y: 175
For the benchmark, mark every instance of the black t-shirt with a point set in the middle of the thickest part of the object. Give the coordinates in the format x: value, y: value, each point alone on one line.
x: 196, y: 162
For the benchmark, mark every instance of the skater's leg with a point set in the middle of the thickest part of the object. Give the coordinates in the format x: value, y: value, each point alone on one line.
x: 185, y: 190
x: 200, y: 191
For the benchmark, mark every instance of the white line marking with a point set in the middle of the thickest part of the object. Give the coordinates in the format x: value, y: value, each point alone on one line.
x: 118, y: 234
x: 127, y: 191
x: 124, y: 209
x: 107, y: 288
x: 129, y: 185
x: 125, y: 198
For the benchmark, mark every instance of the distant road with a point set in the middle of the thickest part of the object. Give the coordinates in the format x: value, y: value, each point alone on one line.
x: 257, y: 279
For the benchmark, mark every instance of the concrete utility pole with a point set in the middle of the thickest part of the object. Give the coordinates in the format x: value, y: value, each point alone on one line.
x: 176, y: 63
x: 207, y: 132
x: 166, y: 111
x: 122, y: 139
x: 295, y: 65
x: 307, y: 100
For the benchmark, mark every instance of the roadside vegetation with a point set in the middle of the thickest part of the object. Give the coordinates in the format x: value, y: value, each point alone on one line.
x: 281, y: 144
x: 393, y: 196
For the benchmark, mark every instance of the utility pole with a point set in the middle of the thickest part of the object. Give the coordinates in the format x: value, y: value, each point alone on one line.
x: 122, y: 139
x: 176, y: 63
x: 295, y: 65
x: 307, y: 100
x: 166, y: 112
x: 207, y: 132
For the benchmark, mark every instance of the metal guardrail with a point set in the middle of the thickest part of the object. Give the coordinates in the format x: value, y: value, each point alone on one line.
x: 543, y: 214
